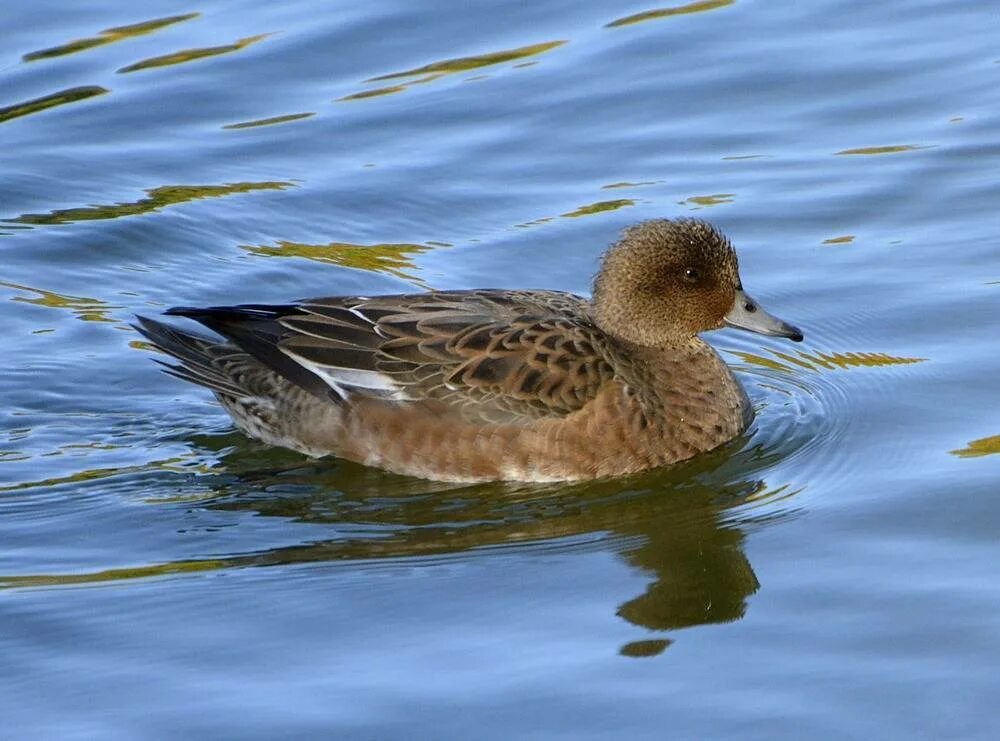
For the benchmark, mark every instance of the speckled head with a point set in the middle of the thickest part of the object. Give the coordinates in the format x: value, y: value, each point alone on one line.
x: 666, y: 280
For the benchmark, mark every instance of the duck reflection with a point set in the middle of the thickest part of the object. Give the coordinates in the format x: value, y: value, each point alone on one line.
x: 684, y: 526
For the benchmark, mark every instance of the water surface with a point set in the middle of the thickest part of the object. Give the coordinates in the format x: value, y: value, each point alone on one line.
x: 831, y: 574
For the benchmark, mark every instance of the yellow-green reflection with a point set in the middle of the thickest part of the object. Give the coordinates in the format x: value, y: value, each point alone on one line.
x: 374, y: 93
x: 627, y: 184
x: 534, y: 222
x: 390, y: 89
x: 76, y: 450
x: 108, y: 36
x: 824, y: 361
x: 110, y: 575
x: 87, y: 309
x: 190, y: 55
x: 599, y: 207
x: 156, y: 198
x: 884, y: 150
x: 644, y: 649
x: 434, y: 70
x: 977, y: 448
x: 95, y: 474
x: 714, y: 199
x: 843, y: 239
x: 269, y: 121
x: 681, y: 527
x: 395, y: 259
x: 70, y: 95
x: 463, y: 64
x: 651, y: 15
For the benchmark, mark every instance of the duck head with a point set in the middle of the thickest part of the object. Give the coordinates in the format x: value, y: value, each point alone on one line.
x: 666, y: 280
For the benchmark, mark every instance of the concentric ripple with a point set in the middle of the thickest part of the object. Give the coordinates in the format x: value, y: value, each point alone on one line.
x: 804, y: 399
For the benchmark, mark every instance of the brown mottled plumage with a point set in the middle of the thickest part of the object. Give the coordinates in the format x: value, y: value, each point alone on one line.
x: 494, y: 384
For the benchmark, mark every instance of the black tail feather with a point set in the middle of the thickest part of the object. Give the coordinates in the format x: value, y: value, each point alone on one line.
x: 253, y: 328
x: 193, y: 350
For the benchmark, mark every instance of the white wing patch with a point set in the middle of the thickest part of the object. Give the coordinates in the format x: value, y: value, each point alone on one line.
x: 344, y: 381
x: 359, y: 314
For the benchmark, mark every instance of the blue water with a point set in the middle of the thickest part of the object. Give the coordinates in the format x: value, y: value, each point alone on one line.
x: 833, y: 574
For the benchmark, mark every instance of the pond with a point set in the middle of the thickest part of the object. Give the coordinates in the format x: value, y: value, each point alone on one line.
x: 831, y: 574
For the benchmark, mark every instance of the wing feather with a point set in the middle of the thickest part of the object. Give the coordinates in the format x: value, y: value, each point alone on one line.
x: 487, y: 355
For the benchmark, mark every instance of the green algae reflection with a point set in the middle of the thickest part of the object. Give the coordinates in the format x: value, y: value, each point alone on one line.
x: 715, y: 199
x: 435, y: 70
x: 630, y: 184
x: 464, y: 64
x: 190, y: 55
x: 394, y: 259
x: 599, y: 207
x: 70, y: 95
x: 110, y: 575
x: 287, y: 118
x: 373, y: 93
x: 978, y: 448
x: 816, y: 361
x: 174, y: 465
x: 892, y: 149
x: 86, y: 309
x: 156, y: 198
x: 652, y: 15
x: 108, y: 36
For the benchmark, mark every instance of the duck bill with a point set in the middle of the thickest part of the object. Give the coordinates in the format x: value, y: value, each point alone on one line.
x: 747, y: 314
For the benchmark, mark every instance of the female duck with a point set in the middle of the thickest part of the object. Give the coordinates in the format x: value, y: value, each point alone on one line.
x: 494, y: 384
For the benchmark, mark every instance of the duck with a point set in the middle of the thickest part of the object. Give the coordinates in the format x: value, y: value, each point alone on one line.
x: 493, y: 384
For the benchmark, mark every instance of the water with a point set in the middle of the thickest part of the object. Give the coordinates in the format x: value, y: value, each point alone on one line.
x: 831, y: 575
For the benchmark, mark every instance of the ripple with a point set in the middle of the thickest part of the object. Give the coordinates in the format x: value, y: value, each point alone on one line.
x: 890, y: 149
x: 669, y: 523
x: 373, y: 93
x: 804, y: 402
x: 978, y: 448
x: 652, y: 15
x: 715, y: 199
x: 108, y: 36
x: 156, y: 198
x: 599, y: 207
x: 85, y: 309
x: 287, y: 118
x: 436, y: 70
x: 191, y: 55
x: 464, y: 64
x: 645, y: 649
x: 175, y: 464
x: 794, y: 415
x: 826, y: 360
x: 70, y: 95
x: 394, y: 259
x: 535, y: 222
x: 110, y: 575
x: 628, y: 184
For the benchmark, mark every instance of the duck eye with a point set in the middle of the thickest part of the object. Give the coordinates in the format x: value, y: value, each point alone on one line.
x: 691, y: 275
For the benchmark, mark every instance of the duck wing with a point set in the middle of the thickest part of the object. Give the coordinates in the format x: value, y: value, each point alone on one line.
x: 491, y: 356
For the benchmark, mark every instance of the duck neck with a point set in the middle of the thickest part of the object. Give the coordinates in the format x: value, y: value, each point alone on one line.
x: 688, y: 382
